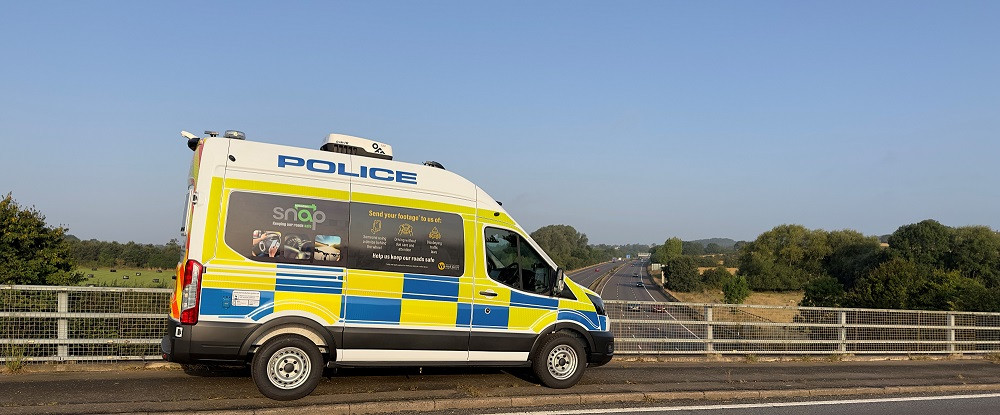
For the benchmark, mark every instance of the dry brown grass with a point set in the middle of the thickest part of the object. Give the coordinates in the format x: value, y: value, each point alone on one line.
x: 701, y: 270
x: 787, y: 298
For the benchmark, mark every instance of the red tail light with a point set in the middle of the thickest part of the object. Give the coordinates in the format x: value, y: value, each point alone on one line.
x: 191, y: 293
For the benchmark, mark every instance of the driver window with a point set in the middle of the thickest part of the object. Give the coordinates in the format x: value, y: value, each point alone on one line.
x: 511, y: 261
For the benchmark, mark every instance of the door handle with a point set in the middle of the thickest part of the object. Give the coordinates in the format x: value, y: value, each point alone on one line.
x: 488, y: 293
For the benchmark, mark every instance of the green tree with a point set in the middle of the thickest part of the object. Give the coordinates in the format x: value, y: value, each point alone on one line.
x: 706, y: 261
x: 567, y: 247
x: 975, y: 252
x: 736, y: 290
x: 716, y: 277
x: 888, y: 286
x: 33, y: 252
x: 682, y: 274
x: 168, y: 256
x: 853, y: 256
x: 784, y: 258
x: 672, y: 248
x: 692, y: 248
x: 714, y: 248
x: 948, y: 291
x: 823, y: 292
x: 925, y: 243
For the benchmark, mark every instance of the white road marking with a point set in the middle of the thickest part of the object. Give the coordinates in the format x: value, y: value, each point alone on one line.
x: 756, y: 405
x: 641, y: 270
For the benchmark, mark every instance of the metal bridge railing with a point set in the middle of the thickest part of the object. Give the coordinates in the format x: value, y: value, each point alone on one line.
x: 104, y: 324
x: 695, y: 328
x: 49, y: 323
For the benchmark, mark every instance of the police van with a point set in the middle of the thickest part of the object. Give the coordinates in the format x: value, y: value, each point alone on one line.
x: 298, y: 260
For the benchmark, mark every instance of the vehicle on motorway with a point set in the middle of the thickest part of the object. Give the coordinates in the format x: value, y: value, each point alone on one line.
x: 296, y: 260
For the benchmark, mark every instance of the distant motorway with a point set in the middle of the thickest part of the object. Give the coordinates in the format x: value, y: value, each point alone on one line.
x: 632, y: 282
x: 588, y: 275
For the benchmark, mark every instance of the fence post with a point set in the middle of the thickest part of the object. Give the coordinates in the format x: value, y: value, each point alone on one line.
x: 709, y: 347
x: 843, y: 331
x: 951, y: 332
x: 63, y: 324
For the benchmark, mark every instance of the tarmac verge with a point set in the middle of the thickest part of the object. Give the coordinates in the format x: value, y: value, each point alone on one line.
x: 161, y: 389
x: 518, y: 402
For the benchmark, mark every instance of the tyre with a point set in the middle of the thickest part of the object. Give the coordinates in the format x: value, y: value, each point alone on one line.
x: 287, y: 367
x: 560, y: 361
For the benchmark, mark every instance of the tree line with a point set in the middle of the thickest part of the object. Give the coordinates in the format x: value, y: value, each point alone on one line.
x: 570, y: 249
x: 94, y: 253
x: 924, y: 265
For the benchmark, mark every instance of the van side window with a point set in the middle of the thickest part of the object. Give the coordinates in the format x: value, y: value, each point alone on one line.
x: 287, y: 229
x: 511, y: 261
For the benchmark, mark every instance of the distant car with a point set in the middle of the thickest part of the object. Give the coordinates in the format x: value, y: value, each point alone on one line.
x: 639, y: 284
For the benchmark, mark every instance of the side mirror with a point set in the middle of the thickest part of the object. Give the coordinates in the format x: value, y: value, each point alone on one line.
x: 560, y: 283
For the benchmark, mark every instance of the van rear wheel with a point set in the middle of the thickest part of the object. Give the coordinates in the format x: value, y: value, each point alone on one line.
x: 560, y: 362
x: 287, y: 367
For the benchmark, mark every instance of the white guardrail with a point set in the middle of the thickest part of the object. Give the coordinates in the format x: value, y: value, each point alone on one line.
x: 104, y: 324
x: 695, y: 328
x: 53, y: 323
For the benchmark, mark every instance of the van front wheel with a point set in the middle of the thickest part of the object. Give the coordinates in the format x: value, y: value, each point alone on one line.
x: 560, y: 362
x: 287, y: 367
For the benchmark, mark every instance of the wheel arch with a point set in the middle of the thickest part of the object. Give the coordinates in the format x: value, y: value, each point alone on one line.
x: 301, y: 326
x: 573, y: 328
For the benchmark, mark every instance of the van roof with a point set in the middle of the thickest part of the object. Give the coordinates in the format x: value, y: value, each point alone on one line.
x: 347, y: 144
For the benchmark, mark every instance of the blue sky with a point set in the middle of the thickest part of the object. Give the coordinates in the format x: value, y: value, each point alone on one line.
x: 631, y: 121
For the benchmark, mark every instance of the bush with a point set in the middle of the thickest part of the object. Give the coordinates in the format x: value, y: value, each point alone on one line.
x: 823, y: 292
x: 716, y: 277
x: 706, y: 261
x: 33, y: 252
x: 736, y: 290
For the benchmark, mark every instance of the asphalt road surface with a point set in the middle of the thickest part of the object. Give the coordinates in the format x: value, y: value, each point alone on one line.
x: 973, y: 404
x: 174, y: 390
x: 632, y: 282
x: 588, y: 275
x: 624, y: 284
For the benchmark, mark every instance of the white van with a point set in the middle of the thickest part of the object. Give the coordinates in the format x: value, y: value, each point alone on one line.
x: 301, y: 259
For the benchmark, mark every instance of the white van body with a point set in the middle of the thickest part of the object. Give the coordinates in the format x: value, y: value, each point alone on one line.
x: 297, y: 259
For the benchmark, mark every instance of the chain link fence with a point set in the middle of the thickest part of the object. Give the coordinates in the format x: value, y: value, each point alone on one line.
x: 46, y: 324
x: 103, y: 324
x: 693, y: 328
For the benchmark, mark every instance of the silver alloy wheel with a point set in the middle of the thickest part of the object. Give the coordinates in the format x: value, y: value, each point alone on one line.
x: 562, y: 362
x: 288, y: 368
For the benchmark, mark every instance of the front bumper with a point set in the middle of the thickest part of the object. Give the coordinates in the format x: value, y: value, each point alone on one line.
x: 604, y: 348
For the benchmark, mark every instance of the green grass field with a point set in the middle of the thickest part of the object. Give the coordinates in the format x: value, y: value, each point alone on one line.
x: 103, y: 277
